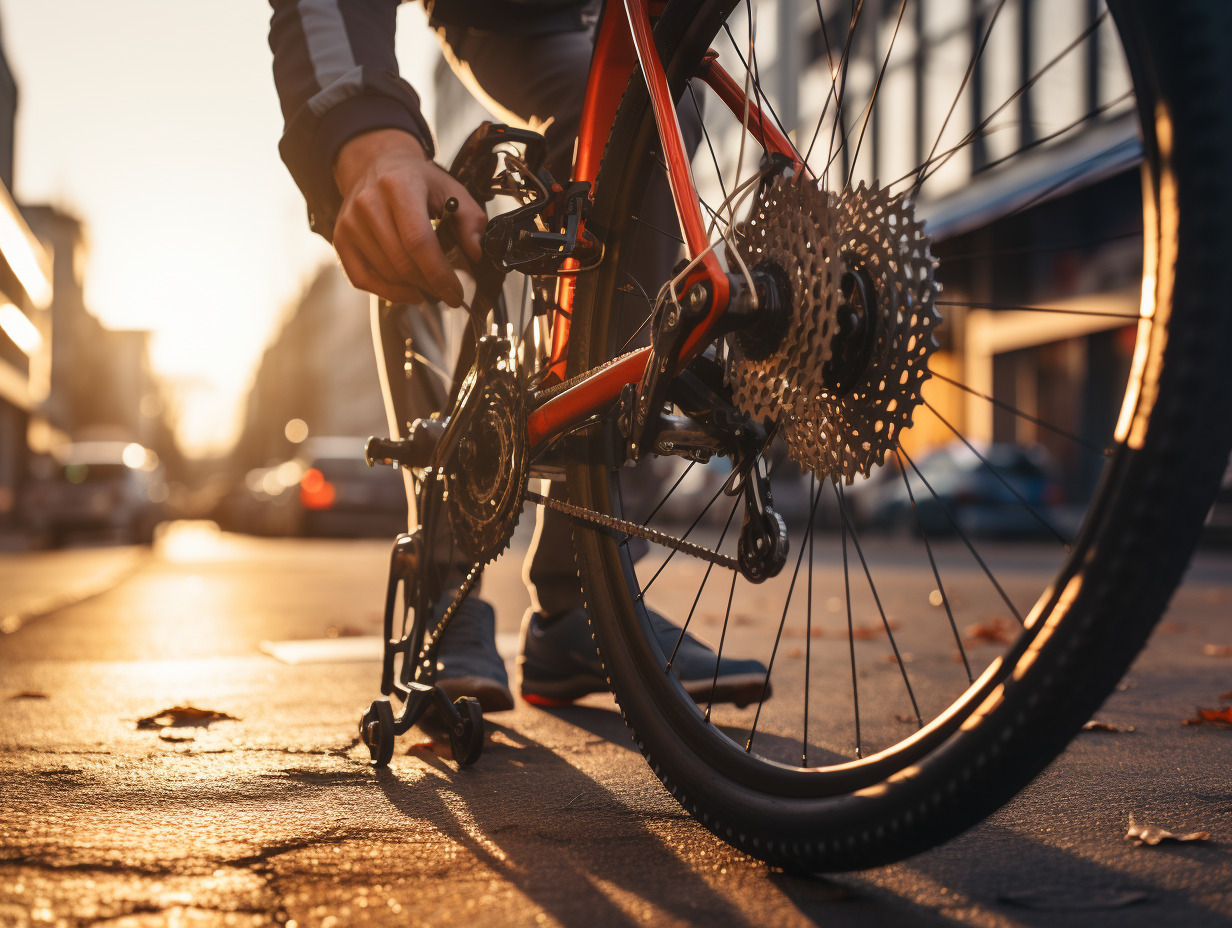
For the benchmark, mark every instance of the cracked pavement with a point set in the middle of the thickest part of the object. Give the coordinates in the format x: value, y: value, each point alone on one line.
x: 275, y: 818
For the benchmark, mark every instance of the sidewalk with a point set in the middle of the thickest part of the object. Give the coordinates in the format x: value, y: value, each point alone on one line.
x: 33, y: 583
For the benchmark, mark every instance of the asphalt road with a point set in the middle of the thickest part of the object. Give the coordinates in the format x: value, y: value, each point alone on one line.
x: 274, y: 816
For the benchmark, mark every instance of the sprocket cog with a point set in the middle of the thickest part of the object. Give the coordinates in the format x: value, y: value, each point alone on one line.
x: 845, y: 380
x: 488, y: 470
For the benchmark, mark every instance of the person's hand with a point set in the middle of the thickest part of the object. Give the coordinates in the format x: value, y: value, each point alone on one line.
x: 384, y: 235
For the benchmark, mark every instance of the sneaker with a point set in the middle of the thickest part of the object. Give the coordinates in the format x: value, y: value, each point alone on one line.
x: 467, y: 662
x: 560, y: 663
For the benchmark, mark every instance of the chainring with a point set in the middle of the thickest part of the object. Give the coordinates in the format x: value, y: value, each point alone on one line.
x: 817, y: 239
x: 486, y: 474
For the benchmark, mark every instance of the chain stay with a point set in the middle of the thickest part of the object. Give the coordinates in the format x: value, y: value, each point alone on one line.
x: 633, y: 528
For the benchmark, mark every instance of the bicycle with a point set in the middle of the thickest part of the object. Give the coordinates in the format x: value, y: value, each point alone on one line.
x: 804, y: 360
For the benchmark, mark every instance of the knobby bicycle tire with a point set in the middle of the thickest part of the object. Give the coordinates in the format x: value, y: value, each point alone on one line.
x: 1096, y: 615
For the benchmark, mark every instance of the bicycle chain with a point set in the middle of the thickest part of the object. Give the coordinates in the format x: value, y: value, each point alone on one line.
x: 633, y: 528
x: 584, y: 515
x: 464, y: 590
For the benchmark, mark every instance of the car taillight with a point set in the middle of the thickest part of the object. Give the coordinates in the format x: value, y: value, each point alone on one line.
x: 315, y: 492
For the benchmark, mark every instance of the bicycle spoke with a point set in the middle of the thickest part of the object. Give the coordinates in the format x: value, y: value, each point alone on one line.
x: 654, y: 512
x: 932, y: 561
x: 814, y: 497
x: 701, y: 515
x: 992, y: 470
x: 981, y: 304
x: 902, y: 666
x: 851, y: 633
x: 963, y: 535
x: 779, y: 635
x: 1044, y: 140
x: 842, y: 93
x: 1041, y: 249
x: 872, y: 101
x: 718, y: 657
x: 963, y: 86
x: 718, y: 172
x: 758, y: 94
x: 830, y: 70
x: 1031, y: 82
x: 1001, y: 404
x: 696, y: 599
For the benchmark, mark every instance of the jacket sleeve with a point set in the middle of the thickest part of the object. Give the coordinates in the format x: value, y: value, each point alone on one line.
x: 337, y: 77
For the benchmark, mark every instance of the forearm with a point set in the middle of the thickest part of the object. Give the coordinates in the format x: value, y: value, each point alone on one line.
x: 337, y: 78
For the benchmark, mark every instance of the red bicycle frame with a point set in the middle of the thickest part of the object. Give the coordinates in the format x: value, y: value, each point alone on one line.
x: 623, y: 45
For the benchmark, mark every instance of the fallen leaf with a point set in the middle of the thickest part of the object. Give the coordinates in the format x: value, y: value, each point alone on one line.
x: 906, y: 656
x: 439, y: 748
x: 1217, y: 650
x: 795, y: 652
x: 1151, y: 835
x: 1226, y: 696
x: 1097, y: 725
x: 184, y: 715
x: 173, y: 738
x: 1218, y: 717
x: 906, y: 719
x: 29, y: 694
x: 869, y: 632
x: 1169, y: 627
x: 997, y: 630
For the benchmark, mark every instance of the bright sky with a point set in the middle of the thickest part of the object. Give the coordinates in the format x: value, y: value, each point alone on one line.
x: 156, y: 122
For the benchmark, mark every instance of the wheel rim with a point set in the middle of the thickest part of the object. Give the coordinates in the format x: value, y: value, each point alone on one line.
x: 762, y: 747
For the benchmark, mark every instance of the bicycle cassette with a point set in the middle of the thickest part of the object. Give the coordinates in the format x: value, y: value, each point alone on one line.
x: 845, y: 380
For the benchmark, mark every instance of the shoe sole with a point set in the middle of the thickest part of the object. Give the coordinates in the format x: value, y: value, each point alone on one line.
x: 740, y: 689
x: 493, y: 695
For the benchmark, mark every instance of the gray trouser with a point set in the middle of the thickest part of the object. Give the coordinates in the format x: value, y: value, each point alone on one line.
x: 537, y: 82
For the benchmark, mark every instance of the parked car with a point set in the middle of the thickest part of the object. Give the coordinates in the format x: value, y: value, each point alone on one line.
x: 1009, y: 503
x: 97, y: 486
x: 340, y: 495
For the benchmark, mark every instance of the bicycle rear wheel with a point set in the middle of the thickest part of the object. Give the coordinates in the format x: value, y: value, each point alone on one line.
x: 910, y: 705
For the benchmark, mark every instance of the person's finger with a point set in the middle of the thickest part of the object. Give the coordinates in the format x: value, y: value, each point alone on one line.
x: 360, y: 233
x: 419, y: 239
x: 363, y: 276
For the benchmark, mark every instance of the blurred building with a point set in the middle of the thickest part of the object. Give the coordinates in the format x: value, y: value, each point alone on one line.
x: 101, y: 385
x: 25, y: 324
x: 320, y: 369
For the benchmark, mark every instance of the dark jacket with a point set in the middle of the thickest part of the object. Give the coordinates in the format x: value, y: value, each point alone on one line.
x: 337, y: 76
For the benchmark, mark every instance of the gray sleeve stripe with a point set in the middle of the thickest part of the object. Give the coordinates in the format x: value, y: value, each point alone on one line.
x: 328, y: 45
x: 346, y: 86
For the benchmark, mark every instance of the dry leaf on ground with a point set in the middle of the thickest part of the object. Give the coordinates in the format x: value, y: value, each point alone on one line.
x: 1098, y: 725
x: 439, y: 748
x: 1217, y: 650
x: 1152, y: 835
x: 1221, y: 718
x: 173, y: 738
x: 1226, y: 696
x: 997, y: 630
x: 184, y: 715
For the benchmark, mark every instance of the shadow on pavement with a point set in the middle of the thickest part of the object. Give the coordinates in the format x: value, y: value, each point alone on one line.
x: 592, y: 853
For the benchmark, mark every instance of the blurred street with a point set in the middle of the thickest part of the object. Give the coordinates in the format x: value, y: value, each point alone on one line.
x: 273, y: 816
